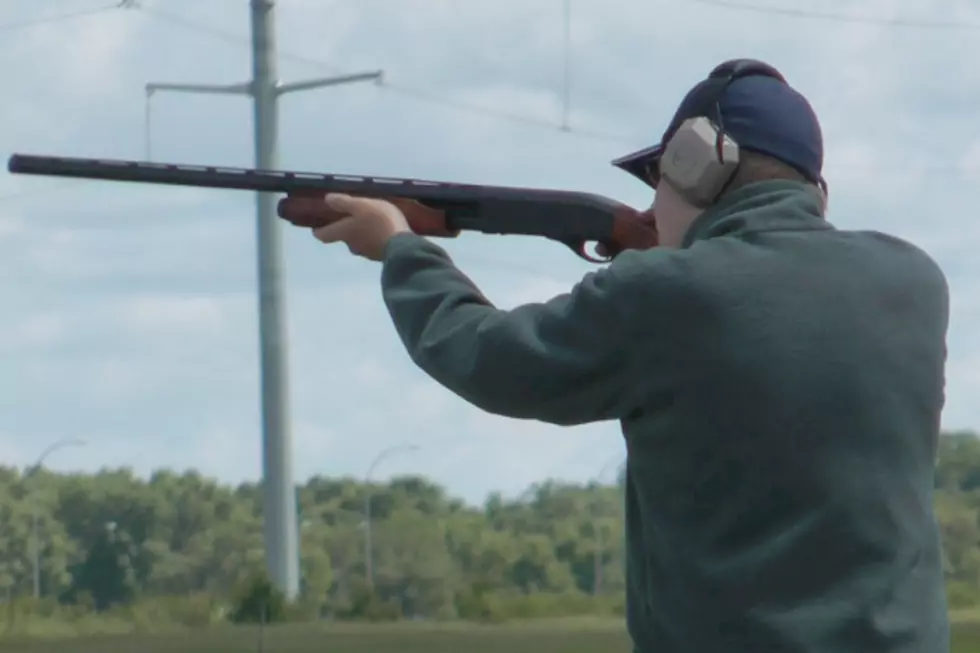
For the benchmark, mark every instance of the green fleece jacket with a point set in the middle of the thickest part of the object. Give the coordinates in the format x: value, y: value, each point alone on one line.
x: 779, y: 383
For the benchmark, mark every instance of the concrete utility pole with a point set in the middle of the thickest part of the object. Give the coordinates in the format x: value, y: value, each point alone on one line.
x: 281, y: 542
x: 35, y: 539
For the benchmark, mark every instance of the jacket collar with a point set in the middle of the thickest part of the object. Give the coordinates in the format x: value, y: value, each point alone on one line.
x: 777, y: 205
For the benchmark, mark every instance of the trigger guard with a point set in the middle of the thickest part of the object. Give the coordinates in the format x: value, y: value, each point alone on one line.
x: 579, y: 247
x: 584, y: 254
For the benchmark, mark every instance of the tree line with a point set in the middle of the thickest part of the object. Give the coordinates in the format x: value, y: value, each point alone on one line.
x: 112, y: 539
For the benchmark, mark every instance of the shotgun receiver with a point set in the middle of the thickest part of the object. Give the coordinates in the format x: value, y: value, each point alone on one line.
x: 572, y: 218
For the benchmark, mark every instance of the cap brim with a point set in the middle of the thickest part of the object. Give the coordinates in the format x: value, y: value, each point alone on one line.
x: 638, y: 163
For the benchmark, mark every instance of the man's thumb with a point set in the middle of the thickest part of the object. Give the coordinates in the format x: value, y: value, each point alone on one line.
x: 341, y: 202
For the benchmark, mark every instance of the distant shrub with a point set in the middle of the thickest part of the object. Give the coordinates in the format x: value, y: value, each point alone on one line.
x: 366, y: 605
x: 192, y: 611
x: 259, y: 601
x: 960, y: 595
x: 501, y: 606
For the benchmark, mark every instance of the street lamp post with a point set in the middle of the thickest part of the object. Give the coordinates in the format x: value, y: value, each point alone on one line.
x: 597, y: 555
x: 35, y: 544
x: 368, y: 547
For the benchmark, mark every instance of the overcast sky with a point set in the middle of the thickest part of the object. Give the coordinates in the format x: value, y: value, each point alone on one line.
x: 129, y: 312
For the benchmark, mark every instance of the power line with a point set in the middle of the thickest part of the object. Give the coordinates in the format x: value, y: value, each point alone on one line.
x: 566, y: 63
x: 441, y: 100
x: 541, y: 123
x: 221, y: 35
x: 529, y: 121
x: 57, y: 18
x: 797, y: 13
x: 842, y: 18
x: 422, y: 95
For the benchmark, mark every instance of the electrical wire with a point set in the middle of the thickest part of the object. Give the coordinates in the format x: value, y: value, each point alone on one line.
x: 37, y: 22
x: 807, y: 14
x: 566, y: 64
x: 58, y: 18
x: 193, y: 26
x: 418, y: 94
x: 441, y: 100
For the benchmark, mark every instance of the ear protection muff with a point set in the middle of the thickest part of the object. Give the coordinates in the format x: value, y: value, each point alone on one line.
x: 700, y: 159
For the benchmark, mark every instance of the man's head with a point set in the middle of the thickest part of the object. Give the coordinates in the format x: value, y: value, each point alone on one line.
x: 741, y: 125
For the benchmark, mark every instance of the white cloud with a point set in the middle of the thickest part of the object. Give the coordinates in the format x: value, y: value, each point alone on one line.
x: 97, y: 46
x: 962, y: 389
x: 537, y: 290
x: 58, y: 253
x: 115, y: 380
x: 10, y: 226
x: 971, y: 158
x: 174, y: 315
x: 37, y: 330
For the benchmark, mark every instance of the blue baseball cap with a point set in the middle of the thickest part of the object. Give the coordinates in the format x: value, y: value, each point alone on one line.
x: 759, y: 110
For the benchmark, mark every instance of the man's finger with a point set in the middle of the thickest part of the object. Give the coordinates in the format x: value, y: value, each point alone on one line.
x: 305, y: 211
x: 336, y: 232
x: 344, y: 203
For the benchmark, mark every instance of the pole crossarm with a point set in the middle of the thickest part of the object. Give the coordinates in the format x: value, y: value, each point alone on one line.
x: 246, y: 88
x: 376, y: 76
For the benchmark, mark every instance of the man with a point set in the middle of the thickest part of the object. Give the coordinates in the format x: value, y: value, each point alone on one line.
x: 779, y: 383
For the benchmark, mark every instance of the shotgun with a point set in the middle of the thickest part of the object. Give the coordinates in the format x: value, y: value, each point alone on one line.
x: 574, y: 219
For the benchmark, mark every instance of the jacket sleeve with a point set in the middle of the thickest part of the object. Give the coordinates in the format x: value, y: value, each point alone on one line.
x: 566, y: 361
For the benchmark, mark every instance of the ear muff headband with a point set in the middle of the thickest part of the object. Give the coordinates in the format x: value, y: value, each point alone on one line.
x: 700, y: 159
x: 730, y: 71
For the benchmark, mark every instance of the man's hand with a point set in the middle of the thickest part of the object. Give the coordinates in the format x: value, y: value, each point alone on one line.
x: 312, y: 211
x: 366, y: 224
x: 645, y: 218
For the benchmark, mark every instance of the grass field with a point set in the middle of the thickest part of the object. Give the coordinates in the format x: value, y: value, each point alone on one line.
x: 564, y: 636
